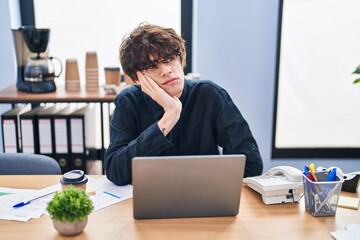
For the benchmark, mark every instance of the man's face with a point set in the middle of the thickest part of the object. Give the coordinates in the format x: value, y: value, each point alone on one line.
x: 169, y: 75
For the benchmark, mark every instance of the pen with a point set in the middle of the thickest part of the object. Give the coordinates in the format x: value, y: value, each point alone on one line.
x: 332, y: 175
x: 312, y: 170
x: 21, y: 204
x: 308, y: 187
x: 306, y: 170
x: 331, y: 178
x: 111, y: 194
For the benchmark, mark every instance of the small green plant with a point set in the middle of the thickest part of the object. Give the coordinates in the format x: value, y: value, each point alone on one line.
x: 70, y: 205
x: 357, y: 71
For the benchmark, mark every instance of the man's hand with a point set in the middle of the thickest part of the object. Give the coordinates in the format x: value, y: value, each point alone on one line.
x: 171, y: 105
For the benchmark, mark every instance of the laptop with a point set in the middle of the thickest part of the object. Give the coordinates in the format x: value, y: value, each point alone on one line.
x: 187, y: 186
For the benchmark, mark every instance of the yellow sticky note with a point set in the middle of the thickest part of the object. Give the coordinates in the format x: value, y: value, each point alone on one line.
x: 90, y: 190
x: 348, y: 202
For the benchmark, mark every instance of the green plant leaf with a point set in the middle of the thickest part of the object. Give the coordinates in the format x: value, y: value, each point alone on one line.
x: 70, y: 205
x: 357, y: 70
x: 356, y: 81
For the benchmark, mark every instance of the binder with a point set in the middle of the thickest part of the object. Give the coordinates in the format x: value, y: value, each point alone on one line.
x: 61, y: 138
x: 77, y: 138
x: 10, y: 127
x: 29, y: 130
x: 46, y: 130
x: 93, y: 132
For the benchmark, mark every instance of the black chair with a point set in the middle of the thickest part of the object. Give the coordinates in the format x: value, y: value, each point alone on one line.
x: 28, y: 164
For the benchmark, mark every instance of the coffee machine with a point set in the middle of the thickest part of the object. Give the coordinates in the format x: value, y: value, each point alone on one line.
x: 35, y: 70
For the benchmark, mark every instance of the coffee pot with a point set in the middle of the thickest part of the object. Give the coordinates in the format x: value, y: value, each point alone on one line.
x: 36, y: 70
x: 40, y: 69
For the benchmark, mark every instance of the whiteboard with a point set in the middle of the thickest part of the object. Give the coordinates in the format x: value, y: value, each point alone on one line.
x: 317, y: 106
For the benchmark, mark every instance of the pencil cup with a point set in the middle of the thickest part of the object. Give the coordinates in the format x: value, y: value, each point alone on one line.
x: 321, y: 197
x: 77, y: 178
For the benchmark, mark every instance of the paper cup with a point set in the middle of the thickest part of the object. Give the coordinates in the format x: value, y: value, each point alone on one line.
x: 77, y: 178
x: 72, y: 70
x: 112, y: 75
x: 91, y: 60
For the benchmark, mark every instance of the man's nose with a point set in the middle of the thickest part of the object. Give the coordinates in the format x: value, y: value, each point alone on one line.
x: 164, y: 69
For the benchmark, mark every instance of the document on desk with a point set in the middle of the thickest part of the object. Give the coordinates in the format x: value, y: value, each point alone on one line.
x: 106, y: 194
x: 11, y: 196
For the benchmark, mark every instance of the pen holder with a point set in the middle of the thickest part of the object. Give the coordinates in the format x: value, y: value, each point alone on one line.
x: 321, y: 197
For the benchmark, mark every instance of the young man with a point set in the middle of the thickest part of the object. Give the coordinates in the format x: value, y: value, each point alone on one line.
x: 164, y: 114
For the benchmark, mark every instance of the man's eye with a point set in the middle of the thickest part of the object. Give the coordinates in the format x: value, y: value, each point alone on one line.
x: 153, y: 66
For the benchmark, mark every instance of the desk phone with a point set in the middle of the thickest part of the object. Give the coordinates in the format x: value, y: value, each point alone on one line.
x: 282, y: 184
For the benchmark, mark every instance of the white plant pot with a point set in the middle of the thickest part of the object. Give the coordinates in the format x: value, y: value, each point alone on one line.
x: 69, y: 229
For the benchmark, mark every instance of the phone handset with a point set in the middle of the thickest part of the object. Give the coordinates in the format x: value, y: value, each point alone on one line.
x: 292, y: 174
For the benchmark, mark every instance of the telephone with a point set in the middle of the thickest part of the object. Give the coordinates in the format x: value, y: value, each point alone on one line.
x: 282, y: 184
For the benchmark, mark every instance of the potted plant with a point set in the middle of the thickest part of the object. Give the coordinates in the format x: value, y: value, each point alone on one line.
x: 69, y: 210
x: 357, y: 71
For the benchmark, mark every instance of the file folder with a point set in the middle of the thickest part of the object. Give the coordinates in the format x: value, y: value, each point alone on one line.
x: 10, y: 127
x: 61, y: 139
x: 29, y: 130
x: 93, y: 132
x: 77, y: 138
x: 46, y: 130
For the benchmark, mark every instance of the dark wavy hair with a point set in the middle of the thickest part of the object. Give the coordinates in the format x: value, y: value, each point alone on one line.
x: 150, y: 40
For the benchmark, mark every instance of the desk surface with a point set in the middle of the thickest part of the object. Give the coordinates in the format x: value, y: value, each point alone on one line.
x: 10, y: 94
x: 254, y: 221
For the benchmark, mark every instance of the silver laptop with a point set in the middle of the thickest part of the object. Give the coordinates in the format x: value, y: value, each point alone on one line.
x: 187, y: 186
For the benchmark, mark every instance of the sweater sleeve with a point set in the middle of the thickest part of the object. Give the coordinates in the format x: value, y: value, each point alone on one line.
x: 126, y: 142
x: 234, y: 135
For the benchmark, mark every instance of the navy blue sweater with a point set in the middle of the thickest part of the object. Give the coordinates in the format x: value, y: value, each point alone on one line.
x: 209, y: 119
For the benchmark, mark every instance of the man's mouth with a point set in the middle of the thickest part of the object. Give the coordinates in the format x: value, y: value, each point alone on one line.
x: 169, y: 81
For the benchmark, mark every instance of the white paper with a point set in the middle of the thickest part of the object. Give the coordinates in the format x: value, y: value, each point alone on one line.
x: 101, y: 199
x: 351, y: 232
x: 25, y: 213
x: 37, y: 207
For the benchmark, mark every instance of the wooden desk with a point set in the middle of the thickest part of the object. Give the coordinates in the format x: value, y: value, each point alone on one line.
x: 255, y: 221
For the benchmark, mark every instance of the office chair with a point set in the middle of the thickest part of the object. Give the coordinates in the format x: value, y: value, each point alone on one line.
x: 27, y: 164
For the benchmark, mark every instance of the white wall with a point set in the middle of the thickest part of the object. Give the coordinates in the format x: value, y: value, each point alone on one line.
x: 236, y: 48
